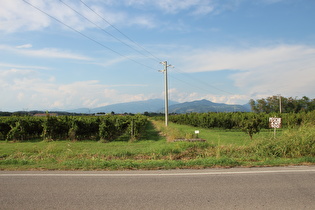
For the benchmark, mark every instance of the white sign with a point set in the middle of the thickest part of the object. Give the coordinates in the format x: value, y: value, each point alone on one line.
x: 274, y: 122
x: 196, y: 132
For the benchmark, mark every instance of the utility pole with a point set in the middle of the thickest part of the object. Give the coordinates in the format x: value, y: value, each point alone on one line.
x: 280, y: 105
x: 165, y: 90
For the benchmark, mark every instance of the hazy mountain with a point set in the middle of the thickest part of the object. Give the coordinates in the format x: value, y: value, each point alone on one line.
x: 80, y: 110
x: 157, y: 105
x: 205, y: 106
x: 247, y: 107
x: 152, y: 105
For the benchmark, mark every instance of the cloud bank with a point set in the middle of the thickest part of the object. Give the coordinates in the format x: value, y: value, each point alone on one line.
x: 39, y: 91
x: 26, y: 15
x: 286, y: 69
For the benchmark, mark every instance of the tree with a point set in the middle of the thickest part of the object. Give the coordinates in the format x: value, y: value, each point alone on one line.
x: 251, y: 125
x: 253, y: 106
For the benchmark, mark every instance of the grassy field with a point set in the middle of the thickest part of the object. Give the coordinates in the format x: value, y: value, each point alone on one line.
x: 223, y: 148
x: 213, y: 136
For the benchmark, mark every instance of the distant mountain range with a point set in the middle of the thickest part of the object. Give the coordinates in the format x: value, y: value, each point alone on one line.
x: 152, y: 105
x: 202, y: 106
x: 157, y: 105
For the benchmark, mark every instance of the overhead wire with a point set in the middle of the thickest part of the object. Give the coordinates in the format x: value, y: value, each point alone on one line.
x: 127, y: 37
x: 188, y: 83
x: 203, y: 82
x: 156, y: 58
x: 121, y: 41
x: 86, y: 36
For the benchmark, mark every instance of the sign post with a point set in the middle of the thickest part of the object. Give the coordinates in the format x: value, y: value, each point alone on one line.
x: 275, y: 123
x: 197, y: 132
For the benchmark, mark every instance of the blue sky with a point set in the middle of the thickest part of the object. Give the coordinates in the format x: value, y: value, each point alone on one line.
x: 71, y: 54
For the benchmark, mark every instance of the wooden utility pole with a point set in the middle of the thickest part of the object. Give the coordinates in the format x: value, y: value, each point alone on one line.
x: 165, y: 90
x: 280, y: 105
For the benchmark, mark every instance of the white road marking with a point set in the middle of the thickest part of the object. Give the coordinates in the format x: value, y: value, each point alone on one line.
x: 155, y: 174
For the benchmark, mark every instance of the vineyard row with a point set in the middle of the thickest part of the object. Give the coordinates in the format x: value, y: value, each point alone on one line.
x: 106, y: 128
x: 238, y: 120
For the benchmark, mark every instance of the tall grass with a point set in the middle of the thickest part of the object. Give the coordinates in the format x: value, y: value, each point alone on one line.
x: 293, y: 143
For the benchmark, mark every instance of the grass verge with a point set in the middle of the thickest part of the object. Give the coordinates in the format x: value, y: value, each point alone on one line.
x: 222, y: 149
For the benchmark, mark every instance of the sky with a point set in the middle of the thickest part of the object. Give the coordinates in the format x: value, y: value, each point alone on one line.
x: 69, y: 54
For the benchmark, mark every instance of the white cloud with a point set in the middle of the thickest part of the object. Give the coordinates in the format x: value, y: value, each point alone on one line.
x: 206, y: 9
x: 180, y: 96
x: 20, y: 16
x: 54, y: 53
x: 16, y: 15
x: 191, y: 7
x: 46, y: 52
x: 15, y: 66
x: 143, y: 20
x: 24, y: 46
x: 286, y: 69
x: 29, y: 89
x: 37, y: 15
x: 177, y: 5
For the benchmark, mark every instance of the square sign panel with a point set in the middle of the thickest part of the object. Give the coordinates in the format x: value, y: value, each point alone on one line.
x: 274, y: 122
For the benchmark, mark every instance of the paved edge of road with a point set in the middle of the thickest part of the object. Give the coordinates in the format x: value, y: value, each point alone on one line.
x: 179, y: 172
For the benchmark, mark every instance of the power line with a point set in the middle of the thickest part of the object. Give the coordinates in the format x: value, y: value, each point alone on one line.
x: 86, y: 36
x: 156, y: 58
x: 114, y: 51
x: 203, y: 82
x: 105, y: 30
x: 188, y: 83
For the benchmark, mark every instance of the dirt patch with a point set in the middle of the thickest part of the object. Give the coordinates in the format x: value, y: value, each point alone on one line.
x: 190, y: 140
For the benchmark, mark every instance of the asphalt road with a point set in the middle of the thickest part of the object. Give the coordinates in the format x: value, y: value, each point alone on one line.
x: 239, y: 188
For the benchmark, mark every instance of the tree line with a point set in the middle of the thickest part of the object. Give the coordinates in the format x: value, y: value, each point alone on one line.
x: 282, y: 104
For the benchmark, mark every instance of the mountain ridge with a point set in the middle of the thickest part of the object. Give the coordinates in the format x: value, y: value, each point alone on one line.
x: 157, y: 106
x: 201, y: 106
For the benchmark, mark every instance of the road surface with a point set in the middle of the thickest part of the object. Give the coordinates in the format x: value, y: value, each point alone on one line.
x: 238, y: 188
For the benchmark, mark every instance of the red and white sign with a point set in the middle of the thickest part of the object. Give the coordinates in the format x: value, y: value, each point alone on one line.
x: 274, y: 122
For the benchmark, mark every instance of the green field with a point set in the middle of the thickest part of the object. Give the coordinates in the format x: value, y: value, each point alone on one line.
x: 154, y: 150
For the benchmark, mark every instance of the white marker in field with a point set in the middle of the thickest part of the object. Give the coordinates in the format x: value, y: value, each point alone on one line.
x: 197, y: 132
